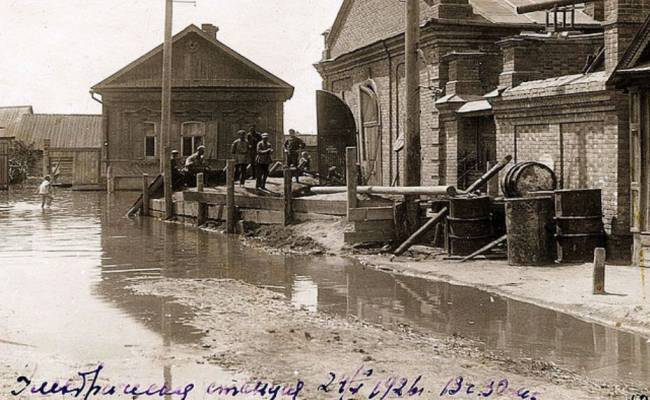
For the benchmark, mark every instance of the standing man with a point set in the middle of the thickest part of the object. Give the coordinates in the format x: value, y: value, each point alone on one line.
x: 264, y: 152
x: 292, y: 147
x: 241, y: 151
x: 253, y: 137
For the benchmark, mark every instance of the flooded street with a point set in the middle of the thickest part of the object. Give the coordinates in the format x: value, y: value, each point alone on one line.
x: 83, y: 252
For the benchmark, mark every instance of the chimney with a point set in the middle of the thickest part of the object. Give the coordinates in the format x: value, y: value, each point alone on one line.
x: 622, y: 20
x: 210, y: 29
x: 450, y: 9
x: 326, y: 47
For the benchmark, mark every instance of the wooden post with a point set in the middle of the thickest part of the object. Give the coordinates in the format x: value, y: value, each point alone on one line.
x: 110, y: 183
x: 200, y: 183
x: 202, y: 208
x: 412, y: 97
x: 47, y: 167
x: 166, y: 112
x: 351, y: 177
x: 145, y: 195
x: 288, y: 208
x: 230, y: 196
x: 599, y: 270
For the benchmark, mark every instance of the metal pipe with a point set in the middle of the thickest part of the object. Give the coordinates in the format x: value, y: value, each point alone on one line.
x: 549, y: 4
x: 396, y: 190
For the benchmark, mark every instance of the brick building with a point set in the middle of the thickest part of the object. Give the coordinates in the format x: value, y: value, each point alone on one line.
x: 363, y: 63
x: 493, y: 83
x: 215, y: 92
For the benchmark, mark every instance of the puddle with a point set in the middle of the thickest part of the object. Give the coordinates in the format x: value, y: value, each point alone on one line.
x: 68, y: 296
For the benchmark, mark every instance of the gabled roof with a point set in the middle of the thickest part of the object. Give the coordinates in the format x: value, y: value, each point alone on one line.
x: 63, y: 130
x: 360, y: 23
x: 636, y: 60
x: 131, y: 77
x: 9, y: 115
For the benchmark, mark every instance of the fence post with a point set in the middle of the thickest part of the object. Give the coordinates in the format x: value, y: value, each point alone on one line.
x: 288, y: 208
x: 230, y: 196
x: 202, y: 209
x: 47, y: 168
x: 599, y: 270
x: 145, y: 195
x: 110, y: 184
x: 351, y: 177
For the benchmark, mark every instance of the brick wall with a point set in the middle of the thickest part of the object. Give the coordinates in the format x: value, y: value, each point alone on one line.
x: 530, y: 58
x: 583, y: 138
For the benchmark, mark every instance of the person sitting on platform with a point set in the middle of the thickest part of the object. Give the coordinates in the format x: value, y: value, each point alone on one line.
x: 304, y: 164
x: 195, y: 161
x: 241, y: 151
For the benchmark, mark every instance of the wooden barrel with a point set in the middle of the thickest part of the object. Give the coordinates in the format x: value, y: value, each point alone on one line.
x: 579, y: 221
x: 528, y: 177
x: 470, y: 224
x: 530, y: 226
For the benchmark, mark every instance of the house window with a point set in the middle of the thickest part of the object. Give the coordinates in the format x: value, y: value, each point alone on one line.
x: 150, y: 148
x: 191, y: 137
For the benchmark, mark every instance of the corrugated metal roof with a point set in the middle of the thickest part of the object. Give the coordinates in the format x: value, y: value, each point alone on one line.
x: 63, y: 130
x: 9, y: 115
x: 363, y: 22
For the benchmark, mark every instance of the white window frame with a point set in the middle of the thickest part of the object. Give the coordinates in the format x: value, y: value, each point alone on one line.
x: 201, y: 134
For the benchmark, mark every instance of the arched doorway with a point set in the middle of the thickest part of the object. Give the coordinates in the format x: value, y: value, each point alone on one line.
x: 370, y: 136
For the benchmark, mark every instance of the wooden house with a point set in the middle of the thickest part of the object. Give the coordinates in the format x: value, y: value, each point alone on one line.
x: 69, y: 143
x: 215, y: 92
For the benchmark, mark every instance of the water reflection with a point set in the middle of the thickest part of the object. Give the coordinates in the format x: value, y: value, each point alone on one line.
x: 346, y: 288
x: 108, y: 252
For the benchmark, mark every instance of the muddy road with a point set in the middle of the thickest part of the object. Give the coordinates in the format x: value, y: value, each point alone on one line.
x: 159, y: 303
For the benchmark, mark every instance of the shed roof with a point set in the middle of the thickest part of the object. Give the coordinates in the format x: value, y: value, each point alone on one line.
x: 566, y: 84
x: 360, y: 23
x: 9, y: 115
x: 63, y: 130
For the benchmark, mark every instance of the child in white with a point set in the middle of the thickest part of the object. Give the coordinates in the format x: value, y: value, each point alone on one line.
x: 45, y: 191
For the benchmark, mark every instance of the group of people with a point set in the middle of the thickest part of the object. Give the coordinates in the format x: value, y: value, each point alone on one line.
x: 253, y: 154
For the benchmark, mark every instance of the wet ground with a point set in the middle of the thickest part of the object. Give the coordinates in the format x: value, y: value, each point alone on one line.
x: 65, y: 271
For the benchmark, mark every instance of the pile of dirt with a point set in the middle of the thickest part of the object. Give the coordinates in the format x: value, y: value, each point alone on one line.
x: 283, y: 239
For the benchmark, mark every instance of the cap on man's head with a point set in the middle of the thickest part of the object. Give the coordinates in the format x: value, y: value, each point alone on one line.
x: 201, y: 147
x: 292, y: 131
x: 241, y: 132
x: 265, y: 135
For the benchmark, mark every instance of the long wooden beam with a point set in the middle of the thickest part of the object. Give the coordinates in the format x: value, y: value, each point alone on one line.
x: 396, y: 190
x: 549, y: 4
x: 411, y: 240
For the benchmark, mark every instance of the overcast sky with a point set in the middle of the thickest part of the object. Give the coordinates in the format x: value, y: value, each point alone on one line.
x: 53, y: 51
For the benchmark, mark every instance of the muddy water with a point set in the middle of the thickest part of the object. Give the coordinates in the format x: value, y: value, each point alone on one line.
x: 66, y: 271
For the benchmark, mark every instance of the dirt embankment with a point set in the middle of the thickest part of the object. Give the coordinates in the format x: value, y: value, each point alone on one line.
x: 257, y: 332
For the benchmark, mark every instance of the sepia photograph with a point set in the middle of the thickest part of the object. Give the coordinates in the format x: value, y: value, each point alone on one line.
x: 325, y: 199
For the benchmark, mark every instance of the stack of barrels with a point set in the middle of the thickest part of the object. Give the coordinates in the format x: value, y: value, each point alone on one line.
x: 545, y: 224
x: 579, y: 221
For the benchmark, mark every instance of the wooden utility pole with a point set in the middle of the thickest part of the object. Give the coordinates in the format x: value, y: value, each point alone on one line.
x: 165, y: 136
x: 412, y: 137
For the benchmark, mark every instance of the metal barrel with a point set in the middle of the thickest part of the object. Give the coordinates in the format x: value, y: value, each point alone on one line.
x: 470, y: 224
x: 528, y: 177
x: 579, y: 221
x: 530, y: 226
